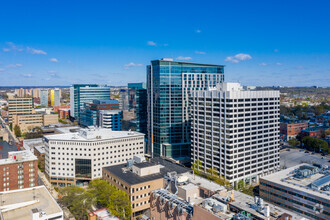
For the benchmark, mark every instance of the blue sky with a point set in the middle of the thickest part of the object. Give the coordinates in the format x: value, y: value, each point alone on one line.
x: 110, y: 42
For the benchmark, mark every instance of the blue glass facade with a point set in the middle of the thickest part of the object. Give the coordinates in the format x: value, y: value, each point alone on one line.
x: 169, y: 85
x: 85, y: 93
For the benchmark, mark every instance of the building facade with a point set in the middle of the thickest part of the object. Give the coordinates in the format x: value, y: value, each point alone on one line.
x: 89, y: 116
x: 76, y: 158
x: 169, y: 86
x: 44, y: 97
x: 55, y: 99
x: 236, y: 131
x: 292, y: 129
x: 19, y: 106
x: 138, y: 101
x: 139, y: 177
x: 110, y: 119
x: 19, y: 169
x: 86, y: 93
x: 302, y: 189
x: 30, y: 121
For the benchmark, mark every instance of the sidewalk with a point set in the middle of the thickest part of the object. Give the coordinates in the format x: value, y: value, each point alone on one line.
x: 54, y: 193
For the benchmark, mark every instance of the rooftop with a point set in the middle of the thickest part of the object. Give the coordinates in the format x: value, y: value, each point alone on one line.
x: 103, y: 214
x: 18, y: 204
x: 301, y: 177
x: 131, y: 178
x: 5, y: 148
x: 93, y: 134
x: 18, y: 156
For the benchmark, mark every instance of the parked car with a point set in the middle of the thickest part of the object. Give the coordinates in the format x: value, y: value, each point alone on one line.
x: 306, y: 151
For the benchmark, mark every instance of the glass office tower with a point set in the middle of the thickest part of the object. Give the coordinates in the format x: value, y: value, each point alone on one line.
x: 137, y: 99
x: 169, y: 85
x: 84, y: 93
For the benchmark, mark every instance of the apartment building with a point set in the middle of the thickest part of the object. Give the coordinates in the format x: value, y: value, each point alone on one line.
x: 78, y: 157
x: 139, y: 177
x: 19, y: 106
x: 18, y: 169
x: 236, y: 131
x: 303, y: 189
x: 169, y: 86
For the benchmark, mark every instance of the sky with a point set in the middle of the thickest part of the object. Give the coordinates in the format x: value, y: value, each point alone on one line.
x: 262, y: 43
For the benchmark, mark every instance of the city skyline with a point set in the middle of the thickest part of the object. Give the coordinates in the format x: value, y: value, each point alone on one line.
x: 270, y: 44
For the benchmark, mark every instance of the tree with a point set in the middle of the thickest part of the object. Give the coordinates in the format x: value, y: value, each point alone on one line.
x: 294, y: 143
x: 101, y: 190
x: 212, y: 173
x: 120, y: 205
x: 315, y: 144
x: 197, y: 165
x: 17, y: 131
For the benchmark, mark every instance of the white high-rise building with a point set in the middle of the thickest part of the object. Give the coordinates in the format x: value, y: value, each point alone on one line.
x: 74, y: 158
x: 235, y: 129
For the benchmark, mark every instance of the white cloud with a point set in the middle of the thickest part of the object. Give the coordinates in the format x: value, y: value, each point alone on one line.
x: 28, y: 75
x: 238, y: 57
x: 200, y: 52
x: 53, y: 60
x: 35, y: 51
x: 279, y: 64
x: 183, y: 58
x: 198, y: 31
x: 131, y: 64
x: 12, y: 47
x: 14, y: 65
x: 263, y: 64
x: 276, y: 50
x: 151, y: 43
x: 2, y: 69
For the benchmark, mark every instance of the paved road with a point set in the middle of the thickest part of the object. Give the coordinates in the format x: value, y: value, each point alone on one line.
x: 11, y: 135
x: 296, y: 156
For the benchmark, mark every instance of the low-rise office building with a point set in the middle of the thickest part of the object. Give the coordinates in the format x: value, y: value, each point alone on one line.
x: 78, y: 157
x: 303, y: 189
x: 19, y: 169
x: 139, y: 177
x: 29, y: 121
x: 34, y: 203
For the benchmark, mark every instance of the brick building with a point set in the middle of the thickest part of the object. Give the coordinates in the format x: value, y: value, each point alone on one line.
x: 18, y: 169
x: 318, y: 132
x: 138, y: 178
x: 292, y: 129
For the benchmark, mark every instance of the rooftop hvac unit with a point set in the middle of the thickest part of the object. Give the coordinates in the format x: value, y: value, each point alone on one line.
x: 162, y: 200
x: 180, y: 210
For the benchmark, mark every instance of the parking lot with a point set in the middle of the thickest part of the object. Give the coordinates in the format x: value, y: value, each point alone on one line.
x: 298, y: 156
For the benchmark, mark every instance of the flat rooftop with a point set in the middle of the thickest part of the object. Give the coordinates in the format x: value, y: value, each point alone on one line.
x: 94, y: 134
x: 247, y: 203
x: 286, y: 178
x: 24, y: 200
x: 204, y: 183
x: 5, y: 148
x: 132, y: 178
x: 24, y: 155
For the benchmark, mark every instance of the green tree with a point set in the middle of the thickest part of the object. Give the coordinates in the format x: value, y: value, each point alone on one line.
x: 293, y: 142
x: 17, y: 131
x: 120, y: 205
x: 197, y: 165
x: 212, y: 173
x: 101, y: 190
